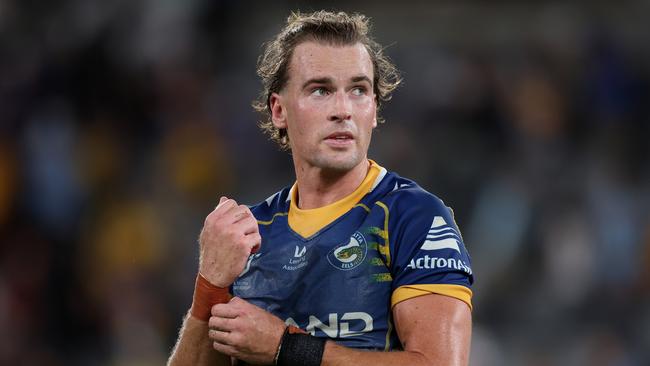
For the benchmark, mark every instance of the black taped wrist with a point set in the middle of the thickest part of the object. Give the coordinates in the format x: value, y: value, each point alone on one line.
x: 300, y: 350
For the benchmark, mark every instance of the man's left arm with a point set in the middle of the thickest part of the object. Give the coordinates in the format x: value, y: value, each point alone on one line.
x: 434, y: 330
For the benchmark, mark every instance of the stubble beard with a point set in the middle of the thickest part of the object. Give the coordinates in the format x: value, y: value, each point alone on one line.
x: 338, y: 162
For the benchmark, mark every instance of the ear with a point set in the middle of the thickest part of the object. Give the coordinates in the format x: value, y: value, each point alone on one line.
x: 278, y: 112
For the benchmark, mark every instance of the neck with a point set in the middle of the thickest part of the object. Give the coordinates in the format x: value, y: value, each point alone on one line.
x: 318, y: 187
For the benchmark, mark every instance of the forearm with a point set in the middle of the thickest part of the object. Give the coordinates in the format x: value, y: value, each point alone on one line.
x: 336, y: 355
x: 194, y: 347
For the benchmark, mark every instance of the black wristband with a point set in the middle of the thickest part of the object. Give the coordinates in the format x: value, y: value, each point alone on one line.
x: 300, y: 350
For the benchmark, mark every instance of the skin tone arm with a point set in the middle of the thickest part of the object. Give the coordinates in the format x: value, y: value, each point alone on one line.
x: 434, y: 330
x: 230, y: 233
x: 194, y: 347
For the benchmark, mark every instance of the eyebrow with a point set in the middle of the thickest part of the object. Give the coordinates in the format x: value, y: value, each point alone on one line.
x: 327, y: 80
x: 359, y: 78
x: 323, y: 80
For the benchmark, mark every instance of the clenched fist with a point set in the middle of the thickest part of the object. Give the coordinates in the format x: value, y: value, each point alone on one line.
x: 245, y: 331
x: 229, y: 235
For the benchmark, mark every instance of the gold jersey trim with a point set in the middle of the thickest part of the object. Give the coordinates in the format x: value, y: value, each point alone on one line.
x: 308, y: 222
x: 410, y: 291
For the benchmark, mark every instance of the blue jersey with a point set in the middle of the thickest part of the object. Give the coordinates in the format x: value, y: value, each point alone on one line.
x: 399, y: 241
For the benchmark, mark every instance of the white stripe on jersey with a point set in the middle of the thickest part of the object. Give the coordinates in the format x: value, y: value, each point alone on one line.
x: 438, y: 236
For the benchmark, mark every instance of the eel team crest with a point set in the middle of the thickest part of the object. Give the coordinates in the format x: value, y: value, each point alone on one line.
x: 349, y: 255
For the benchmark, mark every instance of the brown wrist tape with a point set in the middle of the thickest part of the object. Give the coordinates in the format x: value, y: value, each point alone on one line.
x: 205, y: 296
x: 295, y: 330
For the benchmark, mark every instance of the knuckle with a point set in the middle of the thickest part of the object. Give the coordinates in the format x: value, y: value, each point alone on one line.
x: 222, y: 207
x: 252, y: 222
x: 212, y: 335
x: 212, y: 323
x: 214, y: 310
x: 218, y: 308
x: 208, y: 220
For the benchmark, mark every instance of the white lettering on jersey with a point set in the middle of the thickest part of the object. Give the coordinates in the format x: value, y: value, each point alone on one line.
x: 335, y: 328
x: 299, y: 252
x: 345, y: 326
x: 330, y: 329
x: 427, y: 262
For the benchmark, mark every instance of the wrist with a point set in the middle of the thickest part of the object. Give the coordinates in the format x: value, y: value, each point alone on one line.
x: 298, y: 348
x: 215, y: 279
x: 207, y: 295
x: 277, y: 353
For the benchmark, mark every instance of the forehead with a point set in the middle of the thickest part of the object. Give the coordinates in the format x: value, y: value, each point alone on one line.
x: 316, y: 60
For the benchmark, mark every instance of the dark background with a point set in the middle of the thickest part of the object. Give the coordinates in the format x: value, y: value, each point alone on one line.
x: 122, y: 122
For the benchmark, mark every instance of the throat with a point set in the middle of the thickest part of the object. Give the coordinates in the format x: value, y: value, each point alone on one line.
x: 308, y: 218
x: 328, y: 186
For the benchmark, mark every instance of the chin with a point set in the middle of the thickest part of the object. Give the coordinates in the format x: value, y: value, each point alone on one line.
x: 338, y: 163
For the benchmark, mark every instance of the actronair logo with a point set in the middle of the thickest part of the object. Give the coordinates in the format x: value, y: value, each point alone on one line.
x: 441, y: 236
x: 427, y: 262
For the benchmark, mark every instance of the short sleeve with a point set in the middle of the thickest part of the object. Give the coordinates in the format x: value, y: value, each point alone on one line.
x: 427, y: 249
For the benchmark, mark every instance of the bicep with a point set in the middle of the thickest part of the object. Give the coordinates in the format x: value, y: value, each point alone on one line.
x: 438, y: 327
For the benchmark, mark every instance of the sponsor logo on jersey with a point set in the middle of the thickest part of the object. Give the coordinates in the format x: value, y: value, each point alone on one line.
x: 441, y: 236
x: 300, y: 251
x: 400, y: 185
x: 348, y: 325
x: 248, y: 263
x: 427, y: 262
x: 244, y: 284
x: 299, y: 259
x: 349, y: 255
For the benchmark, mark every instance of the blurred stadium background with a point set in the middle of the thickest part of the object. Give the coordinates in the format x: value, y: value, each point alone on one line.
x: 121, y: 123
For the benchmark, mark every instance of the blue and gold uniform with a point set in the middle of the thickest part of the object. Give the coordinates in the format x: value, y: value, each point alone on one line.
x: 337, y: 271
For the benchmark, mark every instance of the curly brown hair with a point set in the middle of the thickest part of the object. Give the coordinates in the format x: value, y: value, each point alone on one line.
x: 322, y: 26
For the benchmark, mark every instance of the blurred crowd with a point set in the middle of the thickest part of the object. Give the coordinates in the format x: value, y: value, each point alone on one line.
x: 122, y: 123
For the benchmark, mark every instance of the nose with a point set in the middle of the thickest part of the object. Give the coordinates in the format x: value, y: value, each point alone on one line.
x: 341, y: 108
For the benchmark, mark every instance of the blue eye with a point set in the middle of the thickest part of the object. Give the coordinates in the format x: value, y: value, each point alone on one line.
x: 359, y: 91
x: 320, y: 91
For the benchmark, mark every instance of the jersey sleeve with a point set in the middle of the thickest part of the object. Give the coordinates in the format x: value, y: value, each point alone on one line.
x: 428, y: 253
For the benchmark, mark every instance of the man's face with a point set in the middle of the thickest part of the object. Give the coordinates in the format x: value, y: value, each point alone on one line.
x: 328, y: 105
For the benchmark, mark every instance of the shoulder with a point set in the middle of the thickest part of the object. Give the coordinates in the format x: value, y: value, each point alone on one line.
x: 415, y: 215
x: 274, y: 204
x: 403, y: 196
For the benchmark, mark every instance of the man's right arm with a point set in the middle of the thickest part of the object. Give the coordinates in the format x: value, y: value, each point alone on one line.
x: 228, y: 237
x: 194, y: 347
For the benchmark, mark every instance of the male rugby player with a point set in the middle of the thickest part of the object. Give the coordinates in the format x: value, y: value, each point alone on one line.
x: 352, y: 265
